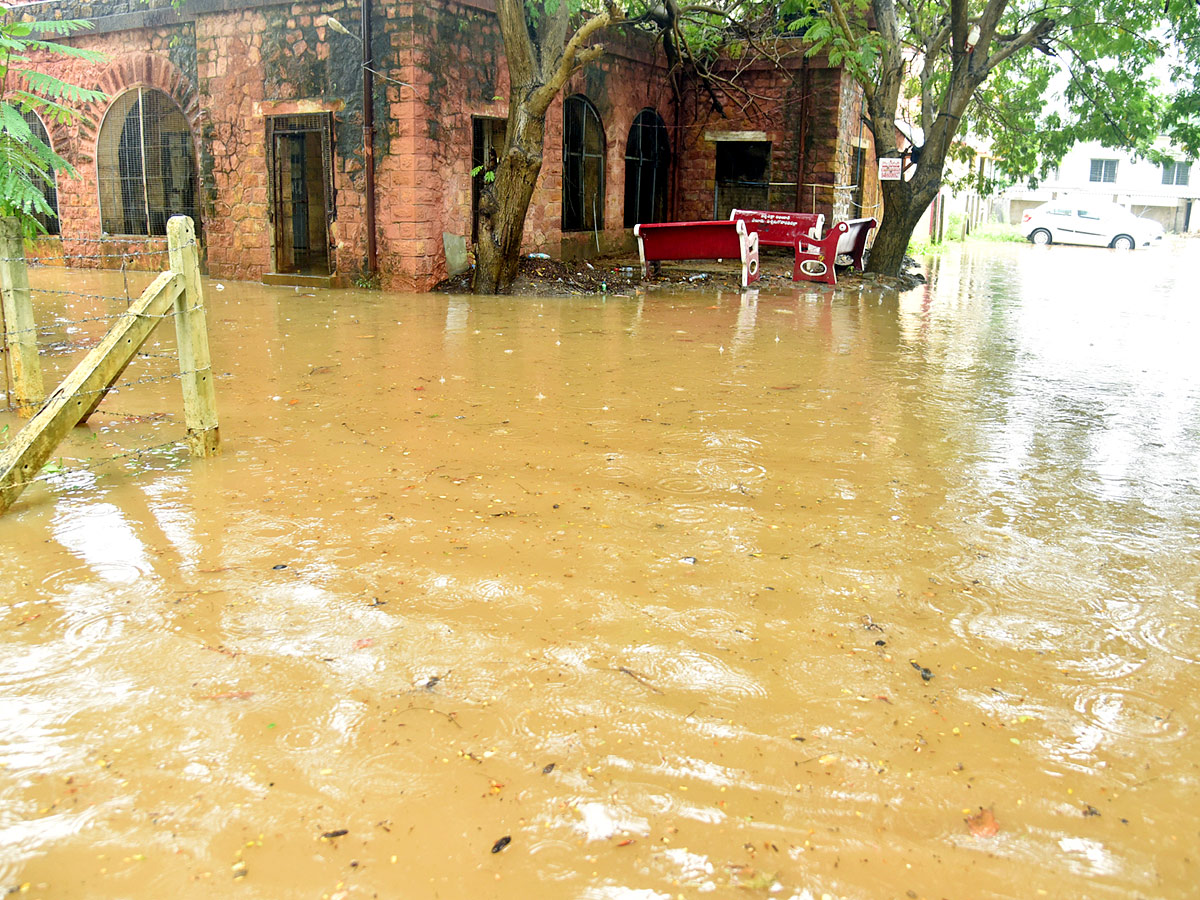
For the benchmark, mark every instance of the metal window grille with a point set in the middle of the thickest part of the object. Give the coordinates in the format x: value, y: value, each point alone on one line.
x: 647, y: 164
x: 583, y: 166
x: 1176, y: 172
x: 1103, y: 170
x: 146, y: 164
x: 48, y: 186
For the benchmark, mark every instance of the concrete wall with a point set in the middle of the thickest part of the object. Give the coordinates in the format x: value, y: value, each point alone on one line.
x: 1138, y: 186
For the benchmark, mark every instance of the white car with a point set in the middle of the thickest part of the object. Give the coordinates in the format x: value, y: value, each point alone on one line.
x: 1097, y: 223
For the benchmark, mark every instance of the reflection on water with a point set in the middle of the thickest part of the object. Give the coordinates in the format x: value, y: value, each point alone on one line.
x: 761, y: 593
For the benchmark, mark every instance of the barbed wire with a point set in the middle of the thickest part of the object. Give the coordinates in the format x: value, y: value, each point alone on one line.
x: 132, y: 239
x: 35, y: 261
x: 88, y: 295
x: 90, y: 464
x: 54, y: 334
x: 125, y: 385
x: 51, y: 330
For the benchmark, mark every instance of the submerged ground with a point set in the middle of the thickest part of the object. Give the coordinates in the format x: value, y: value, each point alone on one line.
x: 811, y: 593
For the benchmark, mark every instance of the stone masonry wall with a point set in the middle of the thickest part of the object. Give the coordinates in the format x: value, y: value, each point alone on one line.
x: 231, y: 65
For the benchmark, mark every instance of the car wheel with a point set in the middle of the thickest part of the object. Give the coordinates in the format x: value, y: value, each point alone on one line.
x: 1123, y: 242
x: 1041, y: 236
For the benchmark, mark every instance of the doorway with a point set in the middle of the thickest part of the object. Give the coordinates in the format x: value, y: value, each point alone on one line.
x: 301, y: 182
x: 743, y: 176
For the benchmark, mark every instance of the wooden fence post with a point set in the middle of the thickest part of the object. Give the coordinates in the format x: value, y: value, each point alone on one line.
x: 22, y: 367
x: 23, y: 457
x: 191, y: 328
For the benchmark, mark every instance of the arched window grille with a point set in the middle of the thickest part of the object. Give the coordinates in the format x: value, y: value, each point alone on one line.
x: 146, y: 164
x: 583, y: 166
x: 49, y: 188
x: 647, y: 165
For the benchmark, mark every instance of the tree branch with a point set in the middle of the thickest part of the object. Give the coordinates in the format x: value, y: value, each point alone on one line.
x: 574, y: 56
x: 843, y: 23
x: 958, y: 27
x: 1038, y: 31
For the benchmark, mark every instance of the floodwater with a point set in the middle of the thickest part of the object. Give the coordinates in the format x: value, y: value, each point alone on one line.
x: 821, y: 594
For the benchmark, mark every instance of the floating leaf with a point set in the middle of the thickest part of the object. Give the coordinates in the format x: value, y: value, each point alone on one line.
x: 229, y: 695
x: 983, y: 824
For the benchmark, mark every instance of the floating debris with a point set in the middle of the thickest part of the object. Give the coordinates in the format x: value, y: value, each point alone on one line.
x: 926, y: 674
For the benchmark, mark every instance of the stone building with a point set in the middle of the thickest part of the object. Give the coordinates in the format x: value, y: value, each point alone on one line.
x: 249, y: 116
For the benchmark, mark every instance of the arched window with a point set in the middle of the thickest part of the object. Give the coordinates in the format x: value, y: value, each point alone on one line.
x: 49, y: 190
x: 647, y: 161
x: 583, y: 166
x: 146, y: 164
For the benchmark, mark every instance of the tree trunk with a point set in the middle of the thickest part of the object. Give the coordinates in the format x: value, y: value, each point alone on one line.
x: 504, y: 204
x: 903, y: 207
x: 540, y: 57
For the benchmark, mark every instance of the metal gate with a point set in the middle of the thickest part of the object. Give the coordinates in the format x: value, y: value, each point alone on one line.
x: 302, y: 201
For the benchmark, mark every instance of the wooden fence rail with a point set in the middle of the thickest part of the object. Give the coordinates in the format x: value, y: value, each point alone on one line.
x: 177, y: 291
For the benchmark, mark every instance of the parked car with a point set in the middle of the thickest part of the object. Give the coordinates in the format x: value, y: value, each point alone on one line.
x: 1098, y: 223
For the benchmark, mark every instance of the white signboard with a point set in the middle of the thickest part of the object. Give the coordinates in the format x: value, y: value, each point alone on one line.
x: 891, y: 168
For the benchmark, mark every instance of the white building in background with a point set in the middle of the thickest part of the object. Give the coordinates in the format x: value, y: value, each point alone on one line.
x: 1168, y: 193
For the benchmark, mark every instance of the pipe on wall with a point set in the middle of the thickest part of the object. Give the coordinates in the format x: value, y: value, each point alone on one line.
x: 802, y: 137
x: 369, y: 134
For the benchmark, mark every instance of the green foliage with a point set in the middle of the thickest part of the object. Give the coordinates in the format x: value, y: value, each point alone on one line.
x: 26, y: 161
x: 1115, y: 71
x: 858, y: 51
x: 997, y: 233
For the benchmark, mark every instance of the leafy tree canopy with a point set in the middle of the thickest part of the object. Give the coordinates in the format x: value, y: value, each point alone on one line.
x: 26, y: 161
x: 1121, y: 72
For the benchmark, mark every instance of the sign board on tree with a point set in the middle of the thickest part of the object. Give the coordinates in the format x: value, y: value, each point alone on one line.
x: 891, y: 168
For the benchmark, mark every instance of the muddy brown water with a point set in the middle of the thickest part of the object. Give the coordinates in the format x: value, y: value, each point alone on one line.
x: 623, y: 598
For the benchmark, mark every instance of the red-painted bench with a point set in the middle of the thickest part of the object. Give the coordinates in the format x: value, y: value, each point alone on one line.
x: 698, y: 240
x: 779, y: 229
x: 816, y: 258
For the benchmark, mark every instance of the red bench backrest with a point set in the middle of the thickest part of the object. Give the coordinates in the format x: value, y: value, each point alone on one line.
x: 690, y: 240
x: 779, y: 229
x: 849, y: 231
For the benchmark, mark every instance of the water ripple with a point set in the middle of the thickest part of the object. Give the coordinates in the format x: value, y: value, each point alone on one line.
x: 1127, y: 713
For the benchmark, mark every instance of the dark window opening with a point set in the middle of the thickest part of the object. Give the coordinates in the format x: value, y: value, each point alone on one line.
x: 302, y: 191
x: 48, y: 186
x: 583, y: 167
x: 146, y: 164
x: 647, y: 166
x: 487, y: 143
x: 743, y: 176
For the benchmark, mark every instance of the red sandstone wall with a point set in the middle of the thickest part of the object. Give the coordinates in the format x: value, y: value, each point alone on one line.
x: 236, y: 221
x: 283, y: 59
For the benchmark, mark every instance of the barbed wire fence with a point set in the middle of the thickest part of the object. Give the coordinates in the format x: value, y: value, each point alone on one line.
x: 110, y: 330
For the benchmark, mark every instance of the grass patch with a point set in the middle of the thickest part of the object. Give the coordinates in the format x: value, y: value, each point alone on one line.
x: 992, y: 232
x: 923, y: 246
x: 997, y: 231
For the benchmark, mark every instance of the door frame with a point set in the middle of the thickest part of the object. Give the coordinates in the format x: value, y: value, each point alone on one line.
x: 320, y: 123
